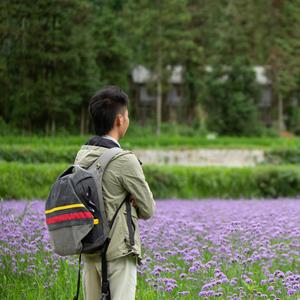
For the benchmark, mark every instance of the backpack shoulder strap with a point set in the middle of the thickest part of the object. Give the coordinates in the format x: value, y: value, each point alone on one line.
x: 97, y: 169
x: 101, y: 163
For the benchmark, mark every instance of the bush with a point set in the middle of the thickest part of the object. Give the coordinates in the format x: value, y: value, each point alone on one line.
x: 294, y: 121
x: 283, y: 156
x: 231, y: 102
x: 278, y: 182
x: 5, y: 128
x: 64, y: 149
x: 38, y: 154
x: 29, y: 181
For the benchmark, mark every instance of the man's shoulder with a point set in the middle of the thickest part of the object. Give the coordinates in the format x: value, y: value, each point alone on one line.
x: 127, y: 158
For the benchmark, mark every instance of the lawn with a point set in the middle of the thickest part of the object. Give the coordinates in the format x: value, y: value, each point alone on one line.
x: 164, y: 141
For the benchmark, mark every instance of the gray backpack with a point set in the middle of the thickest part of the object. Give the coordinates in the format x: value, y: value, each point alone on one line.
x: 75, y: 214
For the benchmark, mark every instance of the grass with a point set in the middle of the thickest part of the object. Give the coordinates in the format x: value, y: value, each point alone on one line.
x: 164, y: 141
x: 45, y: 284
x: 31, y: 181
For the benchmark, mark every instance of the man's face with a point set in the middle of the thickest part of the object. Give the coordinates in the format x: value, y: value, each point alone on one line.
x: 123, y: 122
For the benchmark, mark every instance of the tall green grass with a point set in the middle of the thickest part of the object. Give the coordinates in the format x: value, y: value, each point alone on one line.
x: 29, y: 181
x: 58, y: 149
x: 163, y: 141
x: 43, y: 283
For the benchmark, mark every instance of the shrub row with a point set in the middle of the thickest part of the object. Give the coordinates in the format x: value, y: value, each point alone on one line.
x: 66, y: 154
x: 38, y: 154
x: 150, y: 140
x: 29, y: 181
x: 283, y: 156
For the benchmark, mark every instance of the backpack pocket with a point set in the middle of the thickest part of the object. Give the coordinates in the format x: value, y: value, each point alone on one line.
x: 68, y: 240
x: 68, y: 220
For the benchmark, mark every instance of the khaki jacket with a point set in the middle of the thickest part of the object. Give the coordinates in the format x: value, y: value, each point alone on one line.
x: 123, y: 175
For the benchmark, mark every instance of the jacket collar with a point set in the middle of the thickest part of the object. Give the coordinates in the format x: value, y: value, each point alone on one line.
x: 101, y: 142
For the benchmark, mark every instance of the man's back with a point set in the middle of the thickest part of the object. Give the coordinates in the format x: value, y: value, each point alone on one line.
x: 123, y: 175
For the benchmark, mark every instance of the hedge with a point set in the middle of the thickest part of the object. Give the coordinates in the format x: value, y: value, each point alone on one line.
x: 31, y: 181
x: 38, y: 154
x: 66, y: 154
x: 283, y: 156
x: 148, y: 140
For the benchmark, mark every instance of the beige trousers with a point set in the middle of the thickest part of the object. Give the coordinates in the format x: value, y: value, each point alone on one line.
x: 121, y: 272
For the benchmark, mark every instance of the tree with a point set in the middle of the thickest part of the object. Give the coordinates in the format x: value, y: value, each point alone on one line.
x: 231, y: 100
x: 284, y: 52
x: 112, y: 50
x: 231, y: 91
x: 160, y: 39
x: 49, y: 59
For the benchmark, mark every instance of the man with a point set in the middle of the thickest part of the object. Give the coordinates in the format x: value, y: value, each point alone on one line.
x: 108, y: 109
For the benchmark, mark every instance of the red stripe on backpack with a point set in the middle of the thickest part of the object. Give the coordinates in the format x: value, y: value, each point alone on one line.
x: 69, y: 217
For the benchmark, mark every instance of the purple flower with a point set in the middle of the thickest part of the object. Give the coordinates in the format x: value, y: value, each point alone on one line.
x: 187, y: 244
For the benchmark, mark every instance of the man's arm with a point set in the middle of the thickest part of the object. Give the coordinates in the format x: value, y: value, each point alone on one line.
x: 134, y: 182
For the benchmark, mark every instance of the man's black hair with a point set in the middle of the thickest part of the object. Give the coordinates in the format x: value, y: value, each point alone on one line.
x: 104, y: 107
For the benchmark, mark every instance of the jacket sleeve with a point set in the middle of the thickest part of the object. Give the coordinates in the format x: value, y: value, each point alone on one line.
x: 134, y: 182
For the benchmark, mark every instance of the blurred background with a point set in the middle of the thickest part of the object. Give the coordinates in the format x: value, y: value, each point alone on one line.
x: 214, y: 90
x: 227, y: 67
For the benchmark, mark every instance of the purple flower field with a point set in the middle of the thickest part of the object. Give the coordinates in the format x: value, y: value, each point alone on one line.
x: 206, y: 249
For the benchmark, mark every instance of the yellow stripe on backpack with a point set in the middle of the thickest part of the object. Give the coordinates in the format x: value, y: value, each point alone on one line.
x: 63, y: 207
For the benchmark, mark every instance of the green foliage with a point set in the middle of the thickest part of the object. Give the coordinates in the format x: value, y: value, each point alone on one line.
x: 294, y: 122
x: 35, y: 149
x: 284, y: 57
x: 31, y: 181
x: 28, y: 181
x: 50, y: 62
x: 195, y: 182
x: 6, y: 129
x: 281, y: 182
x: 38, y: 154
x: 231, y: 101
x: 167, y: 130
x: 289, y: 155
x: 42, y: 282
x: 158, y: 25
x: 111, y: 50
x: 55, y: 55
x: 48, y: 281
x: 163, y: 38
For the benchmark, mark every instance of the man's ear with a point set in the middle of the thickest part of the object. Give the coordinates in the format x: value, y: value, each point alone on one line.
x: 119, y: 120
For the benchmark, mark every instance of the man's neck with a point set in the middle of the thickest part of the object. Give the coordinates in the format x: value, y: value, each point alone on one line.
x: 111, y: 137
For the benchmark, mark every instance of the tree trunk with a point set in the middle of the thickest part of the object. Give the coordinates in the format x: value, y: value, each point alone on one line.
x: 159, y: 88
x: 53, y: 126
x: 87, y: 124
x: 158, y: 106
x: 82, y: 121
x: 173, y: 115
x: 281, y: 126
x: 47, y: 129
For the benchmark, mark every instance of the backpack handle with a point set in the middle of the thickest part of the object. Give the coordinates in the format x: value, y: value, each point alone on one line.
x: 66, y: 172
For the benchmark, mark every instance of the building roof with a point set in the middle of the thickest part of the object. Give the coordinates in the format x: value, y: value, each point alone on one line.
x: 141, y: 74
